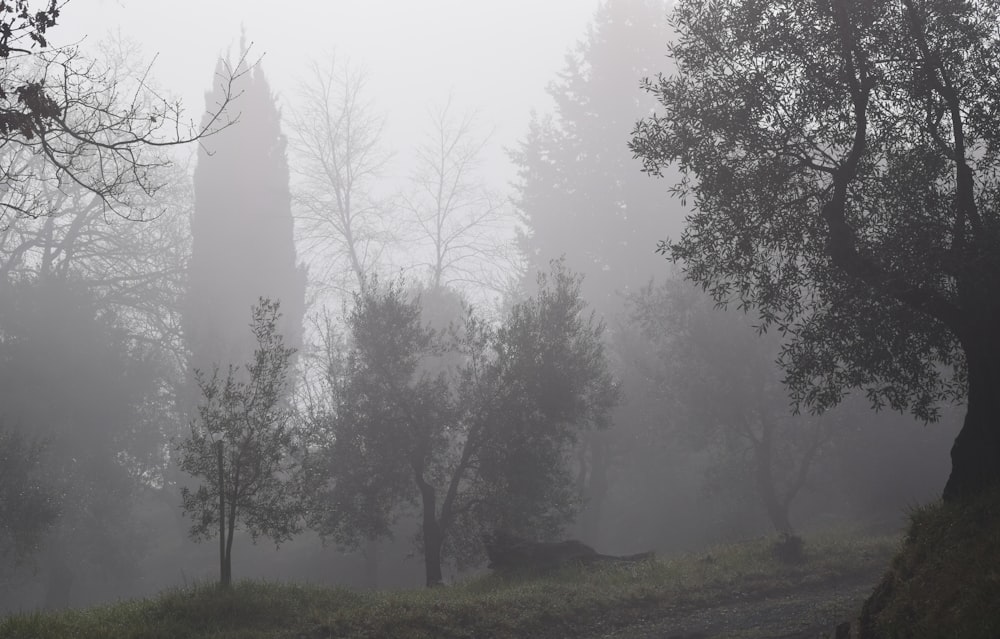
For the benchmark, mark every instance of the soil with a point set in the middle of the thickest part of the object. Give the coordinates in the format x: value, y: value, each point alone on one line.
x: 808, y: 612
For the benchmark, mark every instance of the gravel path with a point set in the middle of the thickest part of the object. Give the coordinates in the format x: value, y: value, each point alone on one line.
x: 809, y: 612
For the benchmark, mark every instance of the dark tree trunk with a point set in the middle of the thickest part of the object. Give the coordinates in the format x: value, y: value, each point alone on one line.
x: 595, y: 485
x: 227, y: 566
x: 371, y: 564
x: 433, y: 537
x: 776, y: 507
x: 975, y: 455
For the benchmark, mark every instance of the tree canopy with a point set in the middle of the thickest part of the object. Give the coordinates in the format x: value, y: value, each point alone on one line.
x: 841, y: 158
x: 473, y: 422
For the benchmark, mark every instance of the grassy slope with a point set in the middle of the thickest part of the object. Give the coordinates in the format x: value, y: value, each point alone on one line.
x: 566, y: 603
x: 945, y: 582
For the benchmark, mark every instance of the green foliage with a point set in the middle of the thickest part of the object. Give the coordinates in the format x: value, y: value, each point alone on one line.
x: 247, y: 411
x: 71, y: 377
x: 473, y: 423
x: 943, y: 582
x: 29, y: 503
x: 706, y: 353
x: 841, y: 160
x: 571, y: 602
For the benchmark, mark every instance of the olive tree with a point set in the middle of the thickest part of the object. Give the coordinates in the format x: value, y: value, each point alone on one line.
x: 473, y: 425
x: 841, y: 157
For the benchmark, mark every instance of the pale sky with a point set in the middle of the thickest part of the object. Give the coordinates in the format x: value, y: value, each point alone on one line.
x: 496, y: 57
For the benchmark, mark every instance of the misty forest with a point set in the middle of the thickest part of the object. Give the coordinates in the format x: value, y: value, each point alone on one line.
x: 720, y: 357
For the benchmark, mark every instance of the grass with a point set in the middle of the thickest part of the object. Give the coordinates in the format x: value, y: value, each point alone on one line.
x: 945, y: 582
x: 570, y: 602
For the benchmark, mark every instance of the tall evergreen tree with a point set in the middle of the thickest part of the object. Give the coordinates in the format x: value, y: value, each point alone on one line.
x: 581, y: 193
x: 243, y: 230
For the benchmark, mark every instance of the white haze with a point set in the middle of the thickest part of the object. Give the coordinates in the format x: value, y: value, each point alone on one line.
x: 492, y: 57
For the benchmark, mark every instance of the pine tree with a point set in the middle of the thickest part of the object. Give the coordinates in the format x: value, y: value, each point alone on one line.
x: 580, y: 193
x: 243, y: 230
x: 582, y: 196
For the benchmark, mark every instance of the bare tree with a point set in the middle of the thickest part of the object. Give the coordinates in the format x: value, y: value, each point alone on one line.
x: 464, y: 223
x: 136, y: 270
x: 336, y: 138
x: 94, y: 122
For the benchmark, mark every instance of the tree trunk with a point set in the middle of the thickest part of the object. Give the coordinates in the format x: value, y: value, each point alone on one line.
x: 777, y: 508
x: 227, y: 566
x: 975, y: 455
x: 370, y: 554
x: 595, y: 490
x: 433, y: 537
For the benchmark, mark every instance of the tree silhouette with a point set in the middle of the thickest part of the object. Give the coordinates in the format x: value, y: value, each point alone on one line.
x: 841, y: 159
x: 69, y: 119
x: 243, y: 231
x: 474, y: 425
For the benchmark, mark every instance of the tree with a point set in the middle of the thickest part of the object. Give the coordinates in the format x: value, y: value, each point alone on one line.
x: 727, y: 395
x: 576, y: 174
x: 241, y: 445
x: 461, y: 221
x: 243, y: 246
x: 337, y: 138
x: 475, y: 428
x: 65, y: 118
x: 29, y: 504
x: 841, y: 159
x: 71, y: 377
x: 577, y: 179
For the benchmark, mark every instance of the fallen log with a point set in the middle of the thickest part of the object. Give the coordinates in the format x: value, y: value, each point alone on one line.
x: 510, y: 552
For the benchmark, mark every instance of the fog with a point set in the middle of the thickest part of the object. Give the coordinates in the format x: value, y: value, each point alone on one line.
x: 486, y: 142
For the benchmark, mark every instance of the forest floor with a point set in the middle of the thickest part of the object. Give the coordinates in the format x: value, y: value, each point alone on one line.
x: 737, y: 591
x: 805, y: 611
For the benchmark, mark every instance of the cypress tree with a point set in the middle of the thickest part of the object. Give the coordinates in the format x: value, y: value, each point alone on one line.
x: 243, y: 229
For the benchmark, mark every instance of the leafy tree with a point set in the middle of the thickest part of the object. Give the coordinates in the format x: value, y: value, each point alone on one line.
x: 243, y: 230
x: 70, y: 376
x: 241, y: 447
x: 577, y: 179
x: 727, y: 395
x: 841, y: 157
x: 29, y: 503
x: 66, y: 118
x: 474, y: 425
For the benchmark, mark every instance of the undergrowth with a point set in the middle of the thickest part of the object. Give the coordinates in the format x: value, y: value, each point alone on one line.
x: 568, y: 602
x: 945, y: 581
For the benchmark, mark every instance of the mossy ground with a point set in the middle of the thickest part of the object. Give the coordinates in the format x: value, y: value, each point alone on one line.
x: 945, y: 581
x: 571, y: 602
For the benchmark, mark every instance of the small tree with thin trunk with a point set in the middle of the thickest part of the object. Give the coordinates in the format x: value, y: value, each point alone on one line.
x: 241, y: 446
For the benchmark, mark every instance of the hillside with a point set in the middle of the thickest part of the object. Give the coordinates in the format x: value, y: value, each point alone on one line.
x: 734, y: 590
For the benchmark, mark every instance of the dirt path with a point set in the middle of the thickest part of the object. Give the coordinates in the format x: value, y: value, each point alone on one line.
x: 808, y: 612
